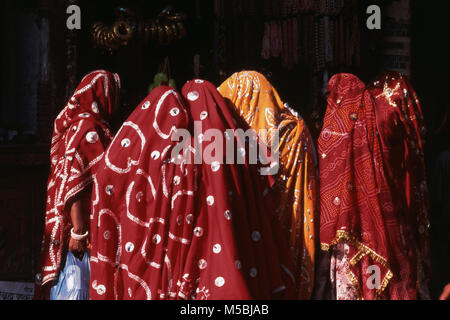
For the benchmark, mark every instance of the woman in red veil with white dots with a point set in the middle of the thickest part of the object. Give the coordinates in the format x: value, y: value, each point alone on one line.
x: 80, y: 137
x: 170, y: 228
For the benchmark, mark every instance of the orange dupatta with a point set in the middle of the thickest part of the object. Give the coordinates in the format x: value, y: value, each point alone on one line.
x: 259, y: 104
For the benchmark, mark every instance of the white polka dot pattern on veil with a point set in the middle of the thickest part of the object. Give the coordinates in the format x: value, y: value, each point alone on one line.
x: 184, y: 227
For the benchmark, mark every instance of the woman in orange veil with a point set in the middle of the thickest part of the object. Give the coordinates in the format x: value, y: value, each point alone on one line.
x: 257, y: 101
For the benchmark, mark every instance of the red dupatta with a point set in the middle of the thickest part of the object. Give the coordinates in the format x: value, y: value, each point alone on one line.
x: 168, y: 229
x: 402, y: 131
x: 373, y: 188
x: 355, y: 200
x: 80, y: 137
x: 136, y: 189
x: 256, y: 261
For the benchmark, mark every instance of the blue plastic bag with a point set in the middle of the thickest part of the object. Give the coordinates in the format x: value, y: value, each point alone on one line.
x: 73, y: 281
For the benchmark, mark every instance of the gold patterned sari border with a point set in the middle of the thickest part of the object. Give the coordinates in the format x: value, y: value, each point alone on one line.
x: 363, y: 250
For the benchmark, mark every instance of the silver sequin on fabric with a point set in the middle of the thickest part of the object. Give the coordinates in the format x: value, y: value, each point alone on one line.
x: 109, y: 190
x: 125, y: 143
x: 139, y: 196
x: 210, y: 200
x: 174, y: 112
x: 155, y: 155
x: 198, y: 232
x: 146, y: 105
x: 215, y: 166
x: 156, y: 239
x: 220, y: 281
x: 129, y: 247
x: 203, y: 115
x: 94, y: 107
x: 192, y: 96
x: 337, y: 201
x: 217, y: 248
x: 92, y: 137
x: 228, y: 215
x: 202, y: 264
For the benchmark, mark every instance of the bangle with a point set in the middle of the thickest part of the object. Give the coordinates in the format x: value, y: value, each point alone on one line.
x: 78, y: 237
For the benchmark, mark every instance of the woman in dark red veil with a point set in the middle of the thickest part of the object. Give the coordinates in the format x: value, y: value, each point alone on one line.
x: 255, y: 231
x: 402, y: 130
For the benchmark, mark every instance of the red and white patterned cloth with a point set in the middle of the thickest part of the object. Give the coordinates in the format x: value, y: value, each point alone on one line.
x: 374, y: 206
x: 355, y: 202
x: 167, y: 228
x: 81, y: 135
x: 402, y: 130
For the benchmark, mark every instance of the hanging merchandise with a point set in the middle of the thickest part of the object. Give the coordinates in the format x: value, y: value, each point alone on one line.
x: 167, y: 28
x: 317, y: 37
x: 110, y: 38
x: 316, y: 21
x: 163, y: 78
x: 397, y: 35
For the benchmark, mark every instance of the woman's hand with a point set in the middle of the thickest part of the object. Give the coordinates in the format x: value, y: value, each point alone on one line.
x: 78, y: 248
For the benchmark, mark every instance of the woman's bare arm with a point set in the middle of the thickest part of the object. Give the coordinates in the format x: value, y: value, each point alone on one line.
x: 79, y: 216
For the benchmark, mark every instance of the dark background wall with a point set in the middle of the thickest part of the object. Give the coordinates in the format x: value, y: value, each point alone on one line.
x: 431, y: 70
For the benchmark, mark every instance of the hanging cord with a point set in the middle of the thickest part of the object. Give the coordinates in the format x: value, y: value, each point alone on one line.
x: 169, y: 71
